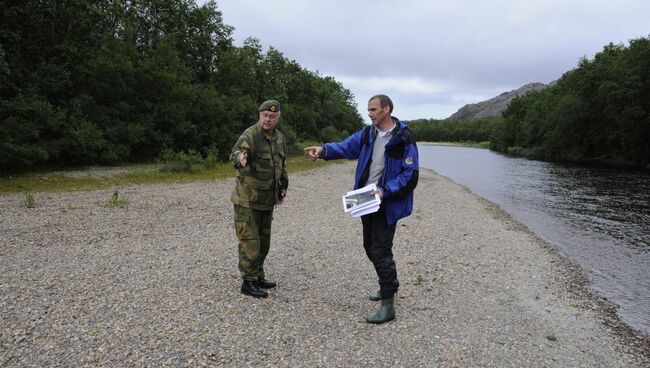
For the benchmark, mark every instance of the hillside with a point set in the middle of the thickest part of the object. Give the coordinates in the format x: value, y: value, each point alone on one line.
x: 494, y: 106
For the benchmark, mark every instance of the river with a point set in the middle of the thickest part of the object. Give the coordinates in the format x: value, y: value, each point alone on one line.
x: 597, y: 217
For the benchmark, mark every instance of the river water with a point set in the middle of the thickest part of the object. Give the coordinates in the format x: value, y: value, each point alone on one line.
x: 597, y: 217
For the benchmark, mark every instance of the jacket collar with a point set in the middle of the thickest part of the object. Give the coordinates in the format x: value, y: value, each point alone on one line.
x: 397, y: 136
x: 271, y: 136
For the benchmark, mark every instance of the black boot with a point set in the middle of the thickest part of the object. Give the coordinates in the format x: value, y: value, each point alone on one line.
x: 251, y: 288
x: 266, y: 284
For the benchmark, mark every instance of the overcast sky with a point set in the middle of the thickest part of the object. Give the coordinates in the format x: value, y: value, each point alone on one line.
x: 432, y: 57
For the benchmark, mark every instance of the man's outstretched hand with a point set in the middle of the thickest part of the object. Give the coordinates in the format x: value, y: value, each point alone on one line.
x: 314, y: 152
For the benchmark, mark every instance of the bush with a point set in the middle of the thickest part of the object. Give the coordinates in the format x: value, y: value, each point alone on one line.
x: 212, y: 158
x: 177, y: 162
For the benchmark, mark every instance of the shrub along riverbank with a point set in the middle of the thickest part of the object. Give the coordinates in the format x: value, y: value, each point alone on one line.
x: 90, y: 178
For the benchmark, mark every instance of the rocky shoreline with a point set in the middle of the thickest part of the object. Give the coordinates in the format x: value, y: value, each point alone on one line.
x: 153, y: 281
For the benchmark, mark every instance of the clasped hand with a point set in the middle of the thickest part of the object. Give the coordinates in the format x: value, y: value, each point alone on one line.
x: 243, y: 157
x: 379, y: 192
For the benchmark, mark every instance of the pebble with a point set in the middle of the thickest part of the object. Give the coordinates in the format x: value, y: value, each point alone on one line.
x: 155, y: 283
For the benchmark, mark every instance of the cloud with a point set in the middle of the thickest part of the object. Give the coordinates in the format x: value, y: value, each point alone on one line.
x: 433, y: 57
x: 394, y: 84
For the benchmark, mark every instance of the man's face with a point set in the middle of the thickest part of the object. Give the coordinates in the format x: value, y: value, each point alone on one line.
x: 268, y: 120
x: 376, y: 113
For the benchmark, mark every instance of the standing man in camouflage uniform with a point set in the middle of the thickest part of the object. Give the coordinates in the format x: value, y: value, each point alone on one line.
x: 262, y: 181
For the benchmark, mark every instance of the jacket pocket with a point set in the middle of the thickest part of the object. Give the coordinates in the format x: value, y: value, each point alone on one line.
x: 264, y: 162
x: 256, y: 183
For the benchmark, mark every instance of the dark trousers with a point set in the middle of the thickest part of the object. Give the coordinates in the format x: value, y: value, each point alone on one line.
x: 378, y: 243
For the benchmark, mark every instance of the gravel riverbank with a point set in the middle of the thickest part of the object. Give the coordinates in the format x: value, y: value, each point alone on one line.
x: 154, y: 282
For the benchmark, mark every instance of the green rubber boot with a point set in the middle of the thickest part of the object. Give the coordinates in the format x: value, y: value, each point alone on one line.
x: 385, y: 313
x: 375, y: 296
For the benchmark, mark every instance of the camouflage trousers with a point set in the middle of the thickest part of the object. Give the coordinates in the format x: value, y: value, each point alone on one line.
x: 253, y: 228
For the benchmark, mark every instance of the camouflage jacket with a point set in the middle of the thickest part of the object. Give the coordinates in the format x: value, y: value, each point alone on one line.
x: 264, y: 180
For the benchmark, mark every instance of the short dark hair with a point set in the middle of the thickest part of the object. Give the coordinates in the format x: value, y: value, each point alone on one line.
x: 383, y: 101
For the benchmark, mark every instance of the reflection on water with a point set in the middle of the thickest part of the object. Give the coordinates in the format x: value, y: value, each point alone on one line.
x: 598, y: 217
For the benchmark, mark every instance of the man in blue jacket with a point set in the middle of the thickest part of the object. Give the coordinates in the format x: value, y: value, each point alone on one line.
x: 387, y: 156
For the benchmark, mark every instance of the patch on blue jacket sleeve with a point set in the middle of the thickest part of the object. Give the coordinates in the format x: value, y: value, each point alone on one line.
x: 409, y: 160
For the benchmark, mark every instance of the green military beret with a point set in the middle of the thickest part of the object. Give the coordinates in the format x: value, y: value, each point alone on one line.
x: 270, y: 105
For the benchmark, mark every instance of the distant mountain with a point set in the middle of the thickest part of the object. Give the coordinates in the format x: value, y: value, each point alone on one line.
x: 496, y: 105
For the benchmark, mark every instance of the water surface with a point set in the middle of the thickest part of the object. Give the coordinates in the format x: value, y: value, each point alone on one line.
x: 597, y: 217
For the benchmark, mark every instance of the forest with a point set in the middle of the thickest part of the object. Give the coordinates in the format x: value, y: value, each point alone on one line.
x: 434, y: 130
x: 598, y: 112
x: 111, y: 81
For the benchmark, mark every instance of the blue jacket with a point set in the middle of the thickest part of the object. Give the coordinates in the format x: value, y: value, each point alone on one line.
x: 401, y: 166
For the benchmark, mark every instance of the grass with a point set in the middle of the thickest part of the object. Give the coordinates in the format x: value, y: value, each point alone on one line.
x: 29, y: 201
x: 418, y: 280
x: 117, y: 201
x: 147, y: 174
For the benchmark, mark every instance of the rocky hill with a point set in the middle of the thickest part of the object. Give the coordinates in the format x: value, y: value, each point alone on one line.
x: 494, y: 106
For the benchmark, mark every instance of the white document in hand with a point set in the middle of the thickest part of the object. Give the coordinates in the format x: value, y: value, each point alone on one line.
x: 361, y: 201
x: 365, y: 211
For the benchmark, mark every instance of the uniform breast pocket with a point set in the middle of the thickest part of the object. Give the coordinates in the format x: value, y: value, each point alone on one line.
x: 264, y: 162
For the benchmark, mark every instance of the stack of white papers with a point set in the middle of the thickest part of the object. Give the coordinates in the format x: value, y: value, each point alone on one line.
x: 361, y: 201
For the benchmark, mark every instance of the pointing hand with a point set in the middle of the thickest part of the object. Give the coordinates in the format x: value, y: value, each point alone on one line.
x: 314, y: 152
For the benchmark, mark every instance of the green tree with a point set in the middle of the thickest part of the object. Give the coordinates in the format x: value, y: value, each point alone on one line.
x: 113, y: 80
x: 600, y: 111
